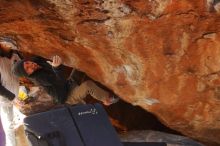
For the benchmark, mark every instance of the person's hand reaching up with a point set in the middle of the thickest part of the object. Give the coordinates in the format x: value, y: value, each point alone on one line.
x: 57, y: 61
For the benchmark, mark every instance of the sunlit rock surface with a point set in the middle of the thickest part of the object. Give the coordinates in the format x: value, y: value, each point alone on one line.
x: 156, y: 136
x: 162, y: 55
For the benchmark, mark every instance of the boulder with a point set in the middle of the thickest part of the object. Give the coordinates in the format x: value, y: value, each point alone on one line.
x: 162, y: 55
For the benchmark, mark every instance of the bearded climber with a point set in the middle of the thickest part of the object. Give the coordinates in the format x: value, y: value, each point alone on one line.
x: 49, y: 75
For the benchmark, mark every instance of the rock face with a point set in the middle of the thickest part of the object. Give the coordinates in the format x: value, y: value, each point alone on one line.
x: 162, y: 55
x: 156, y: 136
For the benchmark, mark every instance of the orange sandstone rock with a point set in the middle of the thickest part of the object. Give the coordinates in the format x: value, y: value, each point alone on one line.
x: 162, y: 55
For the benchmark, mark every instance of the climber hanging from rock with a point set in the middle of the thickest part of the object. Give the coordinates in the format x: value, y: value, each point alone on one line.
x: 49, y: 75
